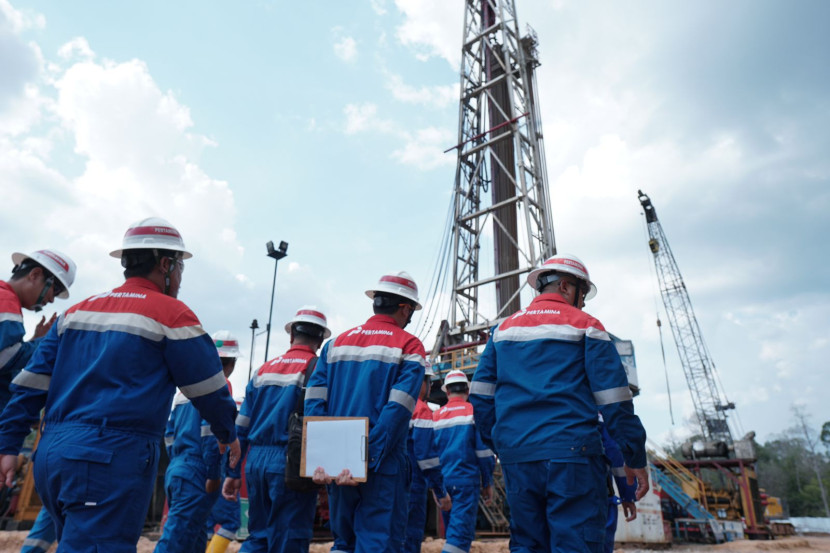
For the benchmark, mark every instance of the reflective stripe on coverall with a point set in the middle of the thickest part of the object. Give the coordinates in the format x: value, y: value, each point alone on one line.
x: 194, y: 458
x: 14, y: 352
x: 467, y: 465
x: 279, y: 519
x: 426, y: 469
x: 41, y: 536
x: 106, y: 372
x: 543, y: 375
x: 374, y: 370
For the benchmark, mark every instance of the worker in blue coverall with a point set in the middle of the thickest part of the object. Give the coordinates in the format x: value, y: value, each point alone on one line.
x: 106, y: 373
x: 627, y: 492
x: 37, y: 279
x: 374, y: 370
x: 225, y: 514
x: 280, y: 520
x: 224, y: 519
x: 192, y: 477
x: 544, y: 374
x: 466, y: 463
x: 41, y: 536
x: 426, y: 469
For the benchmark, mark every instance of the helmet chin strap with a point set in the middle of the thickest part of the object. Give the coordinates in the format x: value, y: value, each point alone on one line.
x: 578, y: 288
x: 169, y: 271
x: 167, y: 276
x: 48, y: 284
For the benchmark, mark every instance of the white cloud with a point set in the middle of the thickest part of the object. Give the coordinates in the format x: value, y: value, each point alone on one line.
x: 16, y: 21
x: 432, y: 28
x: 20, y: 62
x: 425, y: 149
x: 77, y: 48
x: 118, y: 115
x: 364, y: 117
x: 345, y: 47
x: 422, y: 148
x: 378, y: 6
x: 24, y: 111
x: 132, y: 152
x: 437, y: 96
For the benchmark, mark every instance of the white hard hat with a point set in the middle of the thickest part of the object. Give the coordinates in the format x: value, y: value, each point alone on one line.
x: 454, y: 377
x: 564, y: 263
x: 152, y: 233
x: 57, y: 263
x: 310, y: 314
x: 226, y: 344
x: 400, y: 284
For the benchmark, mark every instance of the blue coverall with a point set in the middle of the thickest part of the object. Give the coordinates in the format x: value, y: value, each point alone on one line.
x: 14, y: 352
x: 226, y: 514
x: 194, y: 458
x: 374, y: 370
x: 467, y: 466
x: 279, y: 519
x: 106, y: 372
x: 543, y: 375
x: 41, y: 536
x: 616, y: 471
x: 426, y: 469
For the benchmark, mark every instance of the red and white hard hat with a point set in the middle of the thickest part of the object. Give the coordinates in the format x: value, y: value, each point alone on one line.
x: 152, y: 233
x: 454, y: 377
x: 400, y: 284
x: 310, y: 314
x: 568, y: 264
x: 226, y: 344
x: 57, y: 263
x: 428, y: 370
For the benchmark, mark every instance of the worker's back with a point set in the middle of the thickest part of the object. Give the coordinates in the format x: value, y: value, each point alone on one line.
x: 120, y: 356
x: 551, y: 359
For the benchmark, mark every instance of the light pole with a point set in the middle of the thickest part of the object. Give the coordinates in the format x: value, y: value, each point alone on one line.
x: 254, y: 327
x: 276, y: 254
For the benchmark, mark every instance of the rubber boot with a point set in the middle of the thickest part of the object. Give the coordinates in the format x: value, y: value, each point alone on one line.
x: 218, y: 544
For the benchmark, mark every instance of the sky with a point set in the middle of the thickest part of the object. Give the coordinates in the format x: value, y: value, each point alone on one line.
x: 324, y: 124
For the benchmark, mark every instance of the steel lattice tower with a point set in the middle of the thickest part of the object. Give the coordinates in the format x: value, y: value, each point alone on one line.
x: 694, y: 355
x: 501, y: 193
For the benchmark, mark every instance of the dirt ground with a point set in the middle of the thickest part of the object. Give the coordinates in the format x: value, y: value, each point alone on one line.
x: 10, y: 542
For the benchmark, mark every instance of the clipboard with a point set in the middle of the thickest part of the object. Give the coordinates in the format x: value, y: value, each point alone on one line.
x: 335, y: 443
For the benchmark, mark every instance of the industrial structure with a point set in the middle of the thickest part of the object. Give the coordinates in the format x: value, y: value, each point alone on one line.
x: 499, y: 224
x: 718, y: 481
x: 500, y: 218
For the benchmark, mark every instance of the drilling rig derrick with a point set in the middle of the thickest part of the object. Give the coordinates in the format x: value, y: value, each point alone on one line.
x: 501, y: 203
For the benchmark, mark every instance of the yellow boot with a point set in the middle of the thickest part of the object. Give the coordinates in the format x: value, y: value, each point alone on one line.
x: 218, y: 544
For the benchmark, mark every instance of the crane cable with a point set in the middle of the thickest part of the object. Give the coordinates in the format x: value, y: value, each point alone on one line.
x: 656, y: 280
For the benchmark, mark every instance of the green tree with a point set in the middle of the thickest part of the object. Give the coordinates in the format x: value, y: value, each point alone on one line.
x: 825, y: 434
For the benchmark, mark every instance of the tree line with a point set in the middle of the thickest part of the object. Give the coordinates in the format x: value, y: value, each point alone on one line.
x: 795, y: 467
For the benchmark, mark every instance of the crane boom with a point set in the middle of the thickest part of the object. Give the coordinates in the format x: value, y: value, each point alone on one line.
x: 697, y: 363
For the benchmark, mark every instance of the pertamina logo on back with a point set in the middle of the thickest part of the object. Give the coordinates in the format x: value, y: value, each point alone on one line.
x: 127, y: 295
x: 369, y: 332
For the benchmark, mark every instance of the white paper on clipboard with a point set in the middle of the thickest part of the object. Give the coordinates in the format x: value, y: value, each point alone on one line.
x: 336, y: 444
